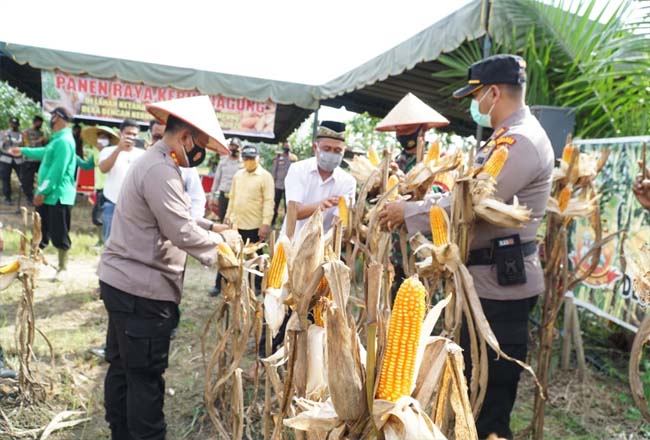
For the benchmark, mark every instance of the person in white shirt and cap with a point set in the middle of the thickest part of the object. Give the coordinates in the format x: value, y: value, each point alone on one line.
x: 318, y: 182
x: 142, y: 268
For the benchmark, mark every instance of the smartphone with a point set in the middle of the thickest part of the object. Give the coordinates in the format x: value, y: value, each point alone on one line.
x: 138, y: 142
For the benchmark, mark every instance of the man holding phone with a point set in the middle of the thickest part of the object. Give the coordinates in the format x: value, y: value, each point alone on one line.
x: 115, y: 163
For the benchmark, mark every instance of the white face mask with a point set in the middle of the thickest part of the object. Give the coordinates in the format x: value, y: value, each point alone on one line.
x: 103, y: 142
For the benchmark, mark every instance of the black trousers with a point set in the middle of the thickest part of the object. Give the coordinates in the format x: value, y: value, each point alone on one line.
x: 509, y: 321
x: 137, y: 350
x: 279, y: 196
x: 55, y: 225
x: 5, y: 175
x: 28, y: 171
x: 223, y: 205
x: 246, y: 234
x: 98, y: 208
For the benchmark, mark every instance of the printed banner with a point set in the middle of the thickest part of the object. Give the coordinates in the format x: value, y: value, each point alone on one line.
x: 609, y: 288
x: 115, y: 100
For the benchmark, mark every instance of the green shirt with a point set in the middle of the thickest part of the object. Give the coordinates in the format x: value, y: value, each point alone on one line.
x: 89, y: 164
x: 56, y: 175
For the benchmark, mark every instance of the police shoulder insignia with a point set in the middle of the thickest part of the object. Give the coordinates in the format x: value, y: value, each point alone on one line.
x: 499, y: 132
x: 507, y: 140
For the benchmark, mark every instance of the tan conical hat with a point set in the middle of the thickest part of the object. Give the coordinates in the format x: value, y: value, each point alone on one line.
x: 411, y: 111
x: 196, y: 111
x: 89, y: 134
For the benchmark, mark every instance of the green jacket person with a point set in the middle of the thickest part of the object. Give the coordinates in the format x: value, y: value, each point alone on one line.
x: 56, y: 191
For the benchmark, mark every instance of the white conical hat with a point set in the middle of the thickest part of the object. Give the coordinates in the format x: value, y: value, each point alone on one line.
x: 411, y: 111
x: 196, y: 111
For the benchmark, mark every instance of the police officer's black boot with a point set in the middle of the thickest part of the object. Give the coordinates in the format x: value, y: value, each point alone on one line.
x: 6, y: 373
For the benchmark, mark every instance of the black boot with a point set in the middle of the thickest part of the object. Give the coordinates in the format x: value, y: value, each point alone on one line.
x: 6, y: 373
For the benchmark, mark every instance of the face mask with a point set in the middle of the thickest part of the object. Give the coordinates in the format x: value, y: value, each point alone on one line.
x: 103, y: 142
x: 250, y: 165
x: 234, y: 153
x: 328, y: 161
x: 195, y: 156
x: 408, y: 141
x: 482, y: 119
x: 286, y: 150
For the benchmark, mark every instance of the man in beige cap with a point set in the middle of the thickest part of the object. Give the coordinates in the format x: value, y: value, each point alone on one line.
x: 142, y: 267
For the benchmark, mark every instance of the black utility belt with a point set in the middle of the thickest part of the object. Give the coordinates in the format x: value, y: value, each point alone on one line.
x: 507, y: 254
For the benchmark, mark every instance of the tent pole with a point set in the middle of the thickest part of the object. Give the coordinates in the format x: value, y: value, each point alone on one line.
x: 487, y: 48
x: 314, y: 128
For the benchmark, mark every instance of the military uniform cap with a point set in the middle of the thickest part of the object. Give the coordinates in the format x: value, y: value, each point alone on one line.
x: 497, y: 69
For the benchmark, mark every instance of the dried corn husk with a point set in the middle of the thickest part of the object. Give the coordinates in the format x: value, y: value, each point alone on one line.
x: 345, y: 373
x: 229, y: 266
x: 577, y: 207
x: 404, y: 420
x: 495, y: 211
x: 305, y: 256
x: 274, y: 308
x: 315, y: 416
x: 316, y: 377
x: 363, y: 170
x: 422, y: 175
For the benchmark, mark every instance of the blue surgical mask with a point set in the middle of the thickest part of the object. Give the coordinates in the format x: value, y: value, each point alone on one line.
x: 328, y: 161
x: 482, y: 119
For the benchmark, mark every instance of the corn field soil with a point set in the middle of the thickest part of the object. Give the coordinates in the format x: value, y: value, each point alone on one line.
x: 74, y: 320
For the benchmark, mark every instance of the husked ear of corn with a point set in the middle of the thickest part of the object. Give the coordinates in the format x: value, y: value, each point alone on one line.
x: 563, y: 198
x: 344, y: 211
x: 433, y: 153
x: 12, y: 267
x: 404, y: 327
x: 373, y: 157
x: 567, y: 153
x: 438, y: 220
x: 276, y: 271
x: 496, y: 161
x: 225, y: 249
x: 392, y: 182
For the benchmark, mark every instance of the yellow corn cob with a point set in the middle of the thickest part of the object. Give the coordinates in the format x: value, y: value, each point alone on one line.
x: 318, y: 308
x: 563, y: 198
x: 392, y: 181
x: 433, y: 153
x: 495, y: 163
x: 225, y: 249
x: 373, y: 157
x: 344, y: 212
x: 12, y: 267
x: 439, y: 225
x: 404, y: 327
x: 567, y: 153
x: 278, y: 263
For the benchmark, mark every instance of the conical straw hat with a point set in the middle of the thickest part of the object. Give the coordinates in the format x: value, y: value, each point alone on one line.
x: 196, y: 111
x: 89, y: 134
x: 411, y: 111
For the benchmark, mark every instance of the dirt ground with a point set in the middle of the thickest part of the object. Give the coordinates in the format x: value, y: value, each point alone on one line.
x: 74, y: 320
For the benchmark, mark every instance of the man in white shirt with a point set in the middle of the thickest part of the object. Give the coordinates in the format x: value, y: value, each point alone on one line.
x: 318, y: 182
x: 115, y: 163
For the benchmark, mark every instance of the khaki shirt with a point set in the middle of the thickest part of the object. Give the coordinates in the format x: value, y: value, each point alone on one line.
x: 152, y: 231
x: 526, y: 174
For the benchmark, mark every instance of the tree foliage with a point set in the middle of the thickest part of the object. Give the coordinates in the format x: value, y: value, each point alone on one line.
x: 15, y: 104
x: 586, y: 58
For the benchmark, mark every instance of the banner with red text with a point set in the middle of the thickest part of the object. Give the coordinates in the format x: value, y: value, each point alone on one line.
x: 116, y: 100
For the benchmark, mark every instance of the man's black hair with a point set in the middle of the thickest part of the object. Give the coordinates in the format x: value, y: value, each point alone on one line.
x: 129, y: 123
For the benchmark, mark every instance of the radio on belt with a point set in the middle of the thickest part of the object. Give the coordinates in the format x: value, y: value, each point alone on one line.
x: 508, y: 257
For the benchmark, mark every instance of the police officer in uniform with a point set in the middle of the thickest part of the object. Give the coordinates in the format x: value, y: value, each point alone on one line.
x: 497, y: 88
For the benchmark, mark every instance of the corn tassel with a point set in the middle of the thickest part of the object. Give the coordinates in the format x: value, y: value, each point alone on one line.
x: 495, y: 163
x: 276, y: 271
x: 12, y: 267
x: 373, y: 157
x: 563, y: 198
x: 344, y: 211
x: 404, y: 327
x: 439, y: 225
x: 434, y: 153
x: 392, y: 182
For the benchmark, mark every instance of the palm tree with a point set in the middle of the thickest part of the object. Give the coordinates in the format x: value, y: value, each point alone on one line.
x: 591, y: 58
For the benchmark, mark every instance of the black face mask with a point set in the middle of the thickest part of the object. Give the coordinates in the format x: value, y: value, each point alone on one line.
x: 408, y: 141
x: 234, y: 153
x: 195, y: 156
x: 286, y: 150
